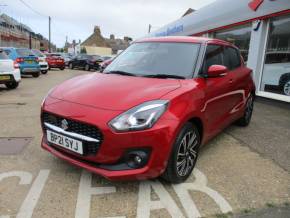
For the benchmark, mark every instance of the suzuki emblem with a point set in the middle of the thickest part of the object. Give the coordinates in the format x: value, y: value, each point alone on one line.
x: 64, y: 124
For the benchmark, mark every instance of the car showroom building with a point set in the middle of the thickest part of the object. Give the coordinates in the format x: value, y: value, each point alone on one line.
x: 260, y: 28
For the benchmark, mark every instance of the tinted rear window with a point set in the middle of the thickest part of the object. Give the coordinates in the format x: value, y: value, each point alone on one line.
x: 274, y: 58
x: 23, y: 52
x: 3, y: 55
x: 38, y: 53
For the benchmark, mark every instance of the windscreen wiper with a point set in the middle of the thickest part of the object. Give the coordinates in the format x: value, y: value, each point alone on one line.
x: 120, y: 73
x: 164, y: 76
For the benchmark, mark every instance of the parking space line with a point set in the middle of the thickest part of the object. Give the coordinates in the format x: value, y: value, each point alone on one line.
x: 200, y: 184
x: 85, y: 192
x: 145, y: 204
x: 33, y: 195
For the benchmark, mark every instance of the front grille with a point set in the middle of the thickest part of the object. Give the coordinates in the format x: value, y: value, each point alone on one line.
x: 79, y: 128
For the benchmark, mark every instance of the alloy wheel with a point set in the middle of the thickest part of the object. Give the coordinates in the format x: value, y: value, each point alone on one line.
x: 187, y: 154
x: 249, y: 108
x: 287, y: 88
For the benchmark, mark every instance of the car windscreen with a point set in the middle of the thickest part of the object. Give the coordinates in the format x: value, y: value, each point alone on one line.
x: 23, y: 52
x: 106, y: 58
x: 38, y: 53
x: 275, y: 58
x: 3, y: 55
x: 95, y: 57
x: 155, y: 58
x: 54, y: 55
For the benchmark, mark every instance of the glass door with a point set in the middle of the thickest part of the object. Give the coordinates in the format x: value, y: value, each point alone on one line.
x: 276, y: 71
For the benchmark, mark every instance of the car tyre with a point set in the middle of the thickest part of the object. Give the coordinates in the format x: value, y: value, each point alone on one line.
x: 62, y: 68
x: 87, y: 67
x: 12, y: 85
x: 71, y: 66
x: 44, y: 71
x: 35, y: 75
x: 286, y: 88
x: 246, y: 119
x: 184, y: 155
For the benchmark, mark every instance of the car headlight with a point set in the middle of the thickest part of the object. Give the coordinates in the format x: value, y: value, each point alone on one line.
x: 141, y: 117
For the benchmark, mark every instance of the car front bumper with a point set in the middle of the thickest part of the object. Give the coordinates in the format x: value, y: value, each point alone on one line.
x: 108, y: 160
x: 43, y: 66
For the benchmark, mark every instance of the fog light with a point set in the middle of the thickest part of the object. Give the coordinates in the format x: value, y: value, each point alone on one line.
x: 136, y: 159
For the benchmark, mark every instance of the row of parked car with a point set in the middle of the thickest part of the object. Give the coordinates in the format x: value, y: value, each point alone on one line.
x: 15, y: 62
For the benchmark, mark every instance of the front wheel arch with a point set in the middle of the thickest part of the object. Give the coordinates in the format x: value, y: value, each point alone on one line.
x: 198, y: 123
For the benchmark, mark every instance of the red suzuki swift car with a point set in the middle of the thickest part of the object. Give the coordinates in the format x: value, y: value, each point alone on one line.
x: 150, y: 111
x: 55, y: 61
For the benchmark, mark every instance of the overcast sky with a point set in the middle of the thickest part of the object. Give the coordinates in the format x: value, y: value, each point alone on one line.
x: 77, y: 18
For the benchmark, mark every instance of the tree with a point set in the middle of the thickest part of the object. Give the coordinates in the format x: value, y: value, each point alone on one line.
x: 83, y: 50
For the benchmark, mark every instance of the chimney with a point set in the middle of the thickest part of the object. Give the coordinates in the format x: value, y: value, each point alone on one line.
x: 112, y: 37
x: 97, y: 30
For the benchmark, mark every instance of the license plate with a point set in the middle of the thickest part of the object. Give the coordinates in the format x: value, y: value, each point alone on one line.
x: 30, y: 62
x: 3, y: 78
x: 65, y: 142
x: 59, y: 61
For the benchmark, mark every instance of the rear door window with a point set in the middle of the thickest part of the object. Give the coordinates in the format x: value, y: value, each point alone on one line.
x: 3, y: 55
x: 7, y: 51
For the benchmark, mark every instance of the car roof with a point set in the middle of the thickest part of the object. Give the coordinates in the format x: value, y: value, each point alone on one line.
x: 186, y: 39
x: 278, y: 52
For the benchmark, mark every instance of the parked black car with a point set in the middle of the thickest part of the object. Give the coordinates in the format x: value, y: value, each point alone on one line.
x: 86, y: 62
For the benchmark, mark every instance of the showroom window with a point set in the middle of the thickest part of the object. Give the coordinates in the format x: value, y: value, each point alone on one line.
x: 276, y: 72
x: 240, y: 36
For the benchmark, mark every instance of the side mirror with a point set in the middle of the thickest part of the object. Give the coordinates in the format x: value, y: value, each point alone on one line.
x: 217, y: 71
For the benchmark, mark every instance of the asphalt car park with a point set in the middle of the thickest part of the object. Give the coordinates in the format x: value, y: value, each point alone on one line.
x: 230, y: 177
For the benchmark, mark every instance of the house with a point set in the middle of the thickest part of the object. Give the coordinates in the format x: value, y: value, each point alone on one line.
x: 97, y: 44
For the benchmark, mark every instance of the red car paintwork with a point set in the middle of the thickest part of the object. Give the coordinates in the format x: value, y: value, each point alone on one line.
x: 55, y: 61
x: 98, y: 98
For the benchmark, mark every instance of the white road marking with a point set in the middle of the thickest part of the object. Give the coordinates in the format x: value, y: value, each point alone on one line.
x: 85, y: 192
x: 145, y: 204
x: 200, y: 184
x: 28, y: 205
x: 111, y: 217
x: 25, y: 177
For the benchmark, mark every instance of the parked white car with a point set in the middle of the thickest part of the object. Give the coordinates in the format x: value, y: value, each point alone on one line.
x: 277, y: 71
x: 42, y: 61
x: 9, y: 71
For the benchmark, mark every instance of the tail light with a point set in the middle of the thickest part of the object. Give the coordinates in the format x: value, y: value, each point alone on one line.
x: 16, y: 65
x: 19, y: 60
